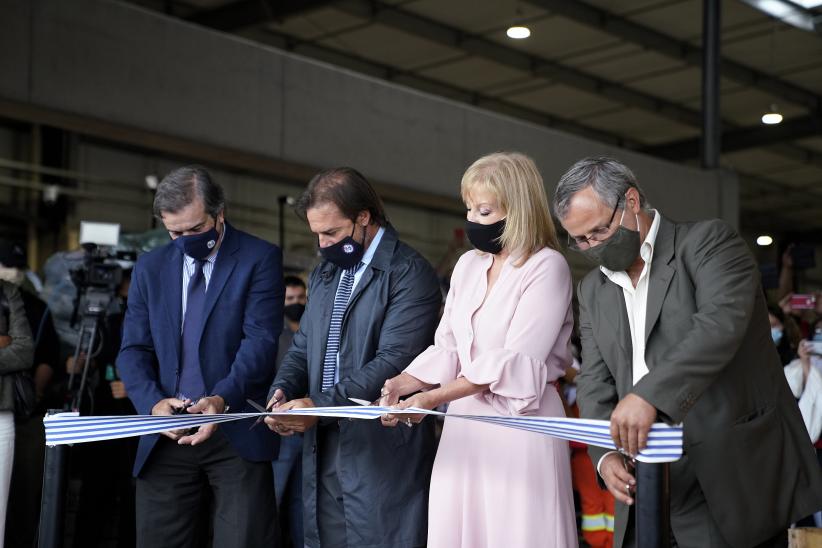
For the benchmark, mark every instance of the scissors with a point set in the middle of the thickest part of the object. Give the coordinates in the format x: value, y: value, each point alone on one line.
x: 261, y: 409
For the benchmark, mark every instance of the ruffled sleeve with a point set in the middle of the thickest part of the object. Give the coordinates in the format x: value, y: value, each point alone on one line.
x: 536, y: 350
x: 439, y: 363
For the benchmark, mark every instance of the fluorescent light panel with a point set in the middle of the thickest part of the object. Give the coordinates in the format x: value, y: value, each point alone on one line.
x: 808, y: 4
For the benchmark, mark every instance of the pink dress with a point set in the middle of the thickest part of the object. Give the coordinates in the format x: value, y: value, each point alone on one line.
x: 494, y: 486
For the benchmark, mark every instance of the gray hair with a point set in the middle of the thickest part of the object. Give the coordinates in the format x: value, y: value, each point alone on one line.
x: 609, y: 178
x: 182, y: 186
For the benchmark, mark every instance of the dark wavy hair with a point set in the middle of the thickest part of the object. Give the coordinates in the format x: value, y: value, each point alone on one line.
x: 346, y: 188
x: 182, y: 186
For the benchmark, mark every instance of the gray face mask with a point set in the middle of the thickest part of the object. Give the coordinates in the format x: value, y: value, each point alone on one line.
x: 617, y: 252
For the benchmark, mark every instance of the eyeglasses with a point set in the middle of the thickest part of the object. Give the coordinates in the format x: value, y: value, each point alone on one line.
x: 580, y: 243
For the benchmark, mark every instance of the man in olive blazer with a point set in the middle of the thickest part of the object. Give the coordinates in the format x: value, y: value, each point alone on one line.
x: 749, y: 469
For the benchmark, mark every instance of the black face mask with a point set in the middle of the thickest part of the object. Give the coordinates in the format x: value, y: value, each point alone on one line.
x: 486, y: 237
x: 294, y: 311
x: 347, y: 252
x: 199, y: 246
x: 618, y: 252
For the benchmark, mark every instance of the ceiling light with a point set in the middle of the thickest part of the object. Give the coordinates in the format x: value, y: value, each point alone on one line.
x: 152, y: 181
x: 790, y: 12
x: 808, y: 4
x: 772, y: 116
x: 518, y: 32
x: 764, y: 240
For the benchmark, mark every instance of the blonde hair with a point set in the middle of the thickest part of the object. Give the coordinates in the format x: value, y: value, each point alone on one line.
x: 513, y: 179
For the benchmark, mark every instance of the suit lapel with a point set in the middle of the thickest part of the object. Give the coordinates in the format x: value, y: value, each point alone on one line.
x: 612, y: 312
x: 661, y: 274
x: 365, y: 279
x: 173, y: 295
x: 613, y: 309
x: 380, y: 261
x: 223, y: 267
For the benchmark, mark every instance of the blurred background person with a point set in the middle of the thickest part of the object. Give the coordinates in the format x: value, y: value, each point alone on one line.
x: 29, y: 446
x: 804, y: 376
x: 16, y: 355
x: 595, y: 505
x: 288, y: 464
x: 785, y: 334
x: 500, y: 348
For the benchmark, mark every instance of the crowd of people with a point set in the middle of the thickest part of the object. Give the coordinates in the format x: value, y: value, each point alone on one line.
x: 672, y: 326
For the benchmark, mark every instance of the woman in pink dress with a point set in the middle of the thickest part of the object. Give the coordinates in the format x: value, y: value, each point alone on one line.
x: 500, y: 346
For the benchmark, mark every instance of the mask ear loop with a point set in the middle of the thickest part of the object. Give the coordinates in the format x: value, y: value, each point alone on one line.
x: 221, y: 233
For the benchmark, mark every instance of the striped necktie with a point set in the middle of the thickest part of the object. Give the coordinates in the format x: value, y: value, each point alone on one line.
x: 332, y: 347
x: 191, y: 383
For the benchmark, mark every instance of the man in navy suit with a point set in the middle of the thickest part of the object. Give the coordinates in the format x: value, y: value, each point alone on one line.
x: 200, y: 336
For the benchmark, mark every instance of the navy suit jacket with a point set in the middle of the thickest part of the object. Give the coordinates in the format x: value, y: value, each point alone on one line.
x: 238, y: 343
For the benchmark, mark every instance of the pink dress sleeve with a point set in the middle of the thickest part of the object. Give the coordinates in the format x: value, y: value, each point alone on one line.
x: 439, y: 363
x: 535, y: 349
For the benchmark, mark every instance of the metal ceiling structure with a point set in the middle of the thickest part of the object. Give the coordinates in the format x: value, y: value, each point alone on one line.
x: 624, y: 72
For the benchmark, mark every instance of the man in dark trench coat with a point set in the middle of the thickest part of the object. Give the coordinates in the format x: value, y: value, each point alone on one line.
x: 372, y: 307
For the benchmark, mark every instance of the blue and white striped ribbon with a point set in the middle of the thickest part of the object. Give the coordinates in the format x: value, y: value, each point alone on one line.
x: 664, y: 441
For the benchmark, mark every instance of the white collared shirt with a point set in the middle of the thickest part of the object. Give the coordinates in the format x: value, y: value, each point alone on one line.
x: 364, y: 262
x: 636, y: 299
x: 636, y: 304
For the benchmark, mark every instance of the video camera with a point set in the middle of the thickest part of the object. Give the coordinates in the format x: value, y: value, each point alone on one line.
x: 101, y: 272
x: 97, y: 279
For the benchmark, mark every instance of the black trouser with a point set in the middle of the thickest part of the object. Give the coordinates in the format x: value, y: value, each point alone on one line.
x: 172, y: 485
x: 691, y: 522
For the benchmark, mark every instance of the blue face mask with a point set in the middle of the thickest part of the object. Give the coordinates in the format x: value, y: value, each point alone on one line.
x: 776, y: 334
x: 198, y: 246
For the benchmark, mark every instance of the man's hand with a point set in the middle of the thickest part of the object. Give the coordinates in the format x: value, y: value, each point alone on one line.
x: 785, y: 304
x: 118, y: 390
x: 5, y: 340
x: 166, y: 407
x: 630, y: 423
x: 277, y: 399
x: 209, y: 405
x: 614, y: 470
x: 286, y: 426
x: 76, y: 367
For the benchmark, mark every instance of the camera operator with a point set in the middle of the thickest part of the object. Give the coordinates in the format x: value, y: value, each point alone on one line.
x: 106, y: 501
x: 16, y: 354
x: 29, y: 443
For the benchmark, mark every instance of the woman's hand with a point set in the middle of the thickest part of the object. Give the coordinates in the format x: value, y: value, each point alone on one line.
x: 422, y: 400
x: 391, y: 391
x: 396, y: 387
x: 401, y: 385
x: 804, y: 352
